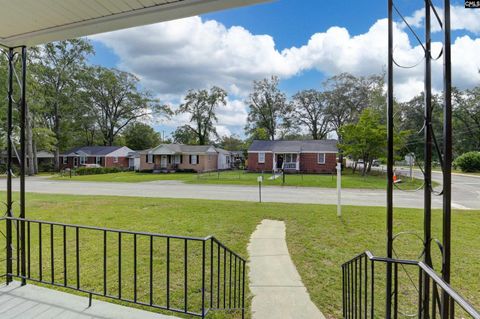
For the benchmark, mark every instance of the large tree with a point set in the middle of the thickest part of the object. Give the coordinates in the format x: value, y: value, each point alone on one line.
x: 233, y: 143
x: 141, y: 136
x: 268, y: 109
x: 309, y: 110
x: 201, y: 106
x: 115, y: 99
x: 346, y: 96
x: 366, y: 139
x: 184, y: 135
x: 466, y: 115
x: 56, y: 67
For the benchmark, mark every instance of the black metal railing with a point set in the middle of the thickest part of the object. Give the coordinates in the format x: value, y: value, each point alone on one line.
x: 364, y: 291
x: 189, y: 275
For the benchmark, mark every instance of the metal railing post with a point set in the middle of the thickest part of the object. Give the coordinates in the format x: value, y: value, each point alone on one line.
x: 447, y: 157
x: 23, y: 123
x: 9, y: 165
x: 427, y: 151
x: 389, y: 161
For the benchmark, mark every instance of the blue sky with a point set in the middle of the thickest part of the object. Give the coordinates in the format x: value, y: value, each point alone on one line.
x: 287, y: 52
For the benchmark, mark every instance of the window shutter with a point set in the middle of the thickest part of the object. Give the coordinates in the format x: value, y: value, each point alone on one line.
x: 190, y: 159
x: 146, y: 158
x: 181, y: 158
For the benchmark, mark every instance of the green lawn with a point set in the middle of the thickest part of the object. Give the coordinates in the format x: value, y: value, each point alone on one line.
x: 374, y: 181
x: 318, y: 241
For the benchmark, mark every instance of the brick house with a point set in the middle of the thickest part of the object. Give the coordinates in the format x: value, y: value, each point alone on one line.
x: 104, y: 156
x: 313, y: 156
x: 182, y: 157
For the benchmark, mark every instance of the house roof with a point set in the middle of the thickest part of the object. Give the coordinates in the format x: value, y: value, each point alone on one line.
x: 328, y: 146
x: 92, y: 150
x: 170, y: 149
x: 33, y: 22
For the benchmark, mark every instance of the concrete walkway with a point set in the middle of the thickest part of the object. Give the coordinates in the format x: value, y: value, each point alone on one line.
x: 36, y: 302
x: 274, y: 281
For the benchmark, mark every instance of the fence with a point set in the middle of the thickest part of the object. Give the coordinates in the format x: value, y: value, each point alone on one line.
x: 187, y: 275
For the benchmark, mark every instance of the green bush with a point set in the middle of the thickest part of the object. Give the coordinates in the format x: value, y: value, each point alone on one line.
x: 468, y: 162
x: 97, y: 170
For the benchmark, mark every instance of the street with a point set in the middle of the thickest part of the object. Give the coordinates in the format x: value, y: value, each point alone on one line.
x: 466, y: 192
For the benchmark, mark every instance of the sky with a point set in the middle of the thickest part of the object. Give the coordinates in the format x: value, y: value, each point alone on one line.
x: 302, y: 41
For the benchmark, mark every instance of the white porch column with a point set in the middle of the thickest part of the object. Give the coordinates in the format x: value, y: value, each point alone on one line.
x: 298, y: 162
x: 274, y: 167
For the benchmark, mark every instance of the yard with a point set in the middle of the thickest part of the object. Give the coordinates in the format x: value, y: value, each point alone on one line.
x: 318, y: 241
x: 375, y: 180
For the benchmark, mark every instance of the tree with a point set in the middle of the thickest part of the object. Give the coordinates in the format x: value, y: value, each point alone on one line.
x: 346, y: 96
x: 201, y: 106
x: 232, y: 143
x: 466, y: 116
x: 115, y: 99
x: 55, y: 71
x: 367, y: 139
x: 308, y: 109
x: 185, y: 135
x: 141, y: 136
x: 268, y: 108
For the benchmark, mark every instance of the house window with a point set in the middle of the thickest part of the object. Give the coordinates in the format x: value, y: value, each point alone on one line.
x: 75, y: 161
x: 194, y: 159
x: 65, y: 160
x: 83, y: 159
x: 149, y: 158
x: 261, y: 158
x: 321, y: 158
x: 98, y: 160
x: 176, y: 159
x: 115, y: 159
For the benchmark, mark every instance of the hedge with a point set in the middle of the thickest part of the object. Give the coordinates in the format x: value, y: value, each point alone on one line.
x: 97, y: 170
x: 468, y: 162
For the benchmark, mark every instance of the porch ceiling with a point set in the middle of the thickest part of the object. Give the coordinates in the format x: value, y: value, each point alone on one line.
x: 33, y: 22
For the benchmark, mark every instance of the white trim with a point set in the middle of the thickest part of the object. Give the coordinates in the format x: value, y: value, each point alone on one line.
x: 324, y: 159
x: 263, y: 160
x: 196, y: 159
x: 256, y: 152
x: 319, y: 152
x: 84, y: 26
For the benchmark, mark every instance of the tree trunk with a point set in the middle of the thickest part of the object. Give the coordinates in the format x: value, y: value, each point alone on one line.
x: 31, y: 157
x: 355, y: 167
x: 364, y: 169
x: 35, y: 162
x: 57, y: 135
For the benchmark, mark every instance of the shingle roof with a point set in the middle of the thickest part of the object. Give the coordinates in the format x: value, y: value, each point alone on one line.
x: 183, y: 149
x: 294, y: 146
x: 94, y: 150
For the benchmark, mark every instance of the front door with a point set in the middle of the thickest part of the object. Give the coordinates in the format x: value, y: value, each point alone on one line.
x: 163, y: 161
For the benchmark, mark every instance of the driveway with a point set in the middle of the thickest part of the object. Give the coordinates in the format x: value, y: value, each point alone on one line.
x: 466, y: 193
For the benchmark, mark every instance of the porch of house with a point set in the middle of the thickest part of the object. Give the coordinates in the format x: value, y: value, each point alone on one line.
x: 32, y: 301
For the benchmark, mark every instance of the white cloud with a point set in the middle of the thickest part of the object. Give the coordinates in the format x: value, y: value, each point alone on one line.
x: 461, y: 19
x: 175, y: 56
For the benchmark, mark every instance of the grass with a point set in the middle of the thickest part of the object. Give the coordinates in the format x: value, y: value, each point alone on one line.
x: 375, y: 180
x: 318, y: 241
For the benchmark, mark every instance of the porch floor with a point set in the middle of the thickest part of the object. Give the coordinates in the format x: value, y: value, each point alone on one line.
x: 32, y: 301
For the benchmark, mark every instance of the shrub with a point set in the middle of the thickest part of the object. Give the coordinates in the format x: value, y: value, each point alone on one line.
x: 97, y: 170
x: 468, y: 162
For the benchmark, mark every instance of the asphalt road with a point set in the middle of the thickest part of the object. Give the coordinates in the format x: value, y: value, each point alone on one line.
x: 466, y: 192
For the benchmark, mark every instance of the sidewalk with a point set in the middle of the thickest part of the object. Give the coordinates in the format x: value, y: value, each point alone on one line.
x: 274, y: 281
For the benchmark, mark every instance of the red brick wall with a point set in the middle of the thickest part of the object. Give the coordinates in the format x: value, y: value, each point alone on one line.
x: 255, y: 166
x: 122, y: 162
x: 309, y: 163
